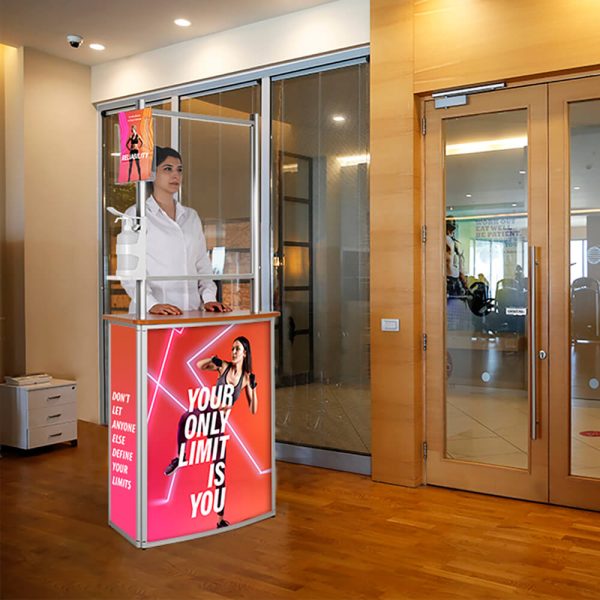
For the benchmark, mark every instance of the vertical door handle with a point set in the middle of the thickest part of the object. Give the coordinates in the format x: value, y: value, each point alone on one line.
x: 533, y: 337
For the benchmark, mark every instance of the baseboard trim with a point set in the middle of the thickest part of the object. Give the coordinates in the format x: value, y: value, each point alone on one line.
x: 328, y: 459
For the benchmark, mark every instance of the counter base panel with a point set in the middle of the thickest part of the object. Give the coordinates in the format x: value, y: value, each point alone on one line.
x: 167, y: 508
x: 133, y: 542
x: 195, y: 536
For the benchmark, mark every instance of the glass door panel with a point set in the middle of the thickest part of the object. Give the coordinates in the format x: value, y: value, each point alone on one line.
x: 584, y: 134
x: 484, y: 213
x: 575, y: 276
x: 487, y: 414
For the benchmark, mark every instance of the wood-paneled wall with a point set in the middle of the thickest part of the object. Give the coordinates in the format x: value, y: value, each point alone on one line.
x: 395, y: 248
x: 419, y: 46
x: 460, y: 42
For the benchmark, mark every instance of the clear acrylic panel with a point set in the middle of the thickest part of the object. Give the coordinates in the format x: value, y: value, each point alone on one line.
x: 486, y: 266
x: 218, y: 185
x: 584, y: 137
x: 214, y: 184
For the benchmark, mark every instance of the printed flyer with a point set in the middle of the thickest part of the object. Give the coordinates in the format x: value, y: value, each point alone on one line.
x: 137, y: 146
x: 209, y: 428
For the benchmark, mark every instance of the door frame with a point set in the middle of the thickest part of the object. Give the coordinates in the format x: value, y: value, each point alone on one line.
x: 565, y: 489
x: 530, y: 483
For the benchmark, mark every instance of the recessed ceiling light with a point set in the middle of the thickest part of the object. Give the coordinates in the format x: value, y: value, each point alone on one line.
x: 468, y: 195
x: 451, y: 208
x: 97, y: 47
x: 339, y: 118
x: 522, y: 172
x: 182, y: 22
x: 576, y: 188
x: 514, y: 204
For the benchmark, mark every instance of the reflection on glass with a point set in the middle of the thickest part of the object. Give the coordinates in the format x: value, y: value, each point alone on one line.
x: 487, y: 409
x: 321, y: 259
x: 584, y: 121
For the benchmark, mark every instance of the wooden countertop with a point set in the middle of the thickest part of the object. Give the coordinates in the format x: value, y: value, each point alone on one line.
x: 199, y: 317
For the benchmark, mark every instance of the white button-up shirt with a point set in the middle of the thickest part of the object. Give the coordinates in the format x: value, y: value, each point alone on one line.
x: 174, y: 247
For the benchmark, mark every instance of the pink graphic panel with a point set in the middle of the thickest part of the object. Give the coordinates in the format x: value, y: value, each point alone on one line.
x: 224, y: 464
x: 123, y: 430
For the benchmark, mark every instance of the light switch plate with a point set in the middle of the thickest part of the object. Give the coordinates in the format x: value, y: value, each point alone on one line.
x: 390, y: 324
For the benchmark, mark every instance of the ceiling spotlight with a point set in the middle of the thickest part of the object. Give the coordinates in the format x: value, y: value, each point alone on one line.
x: 514, y: 204
x: 468, y: 196
x: 97, y: 47
x: 522, y: 172
x: 576, y: 188
x: 182, y: 22
x: 338, y: 118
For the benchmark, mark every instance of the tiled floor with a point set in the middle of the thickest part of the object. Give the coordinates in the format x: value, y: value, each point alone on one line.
x: 490, y: 426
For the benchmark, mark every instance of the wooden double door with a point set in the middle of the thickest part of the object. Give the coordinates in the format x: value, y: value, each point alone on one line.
x: 512, y: 210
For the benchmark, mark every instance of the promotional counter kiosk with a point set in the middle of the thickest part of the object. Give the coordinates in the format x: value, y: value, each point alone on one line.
x: 189, y: 456
x: 227, y: 463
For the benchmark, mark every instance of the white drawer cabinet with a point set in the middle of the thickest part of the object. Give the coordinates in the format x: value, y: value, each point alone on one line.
x: 38, y: 415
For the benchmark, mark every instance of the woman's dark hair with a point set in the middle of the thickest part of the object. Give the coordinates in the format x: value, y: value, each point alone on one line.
x: 163, y: 153
x: 247, y: 364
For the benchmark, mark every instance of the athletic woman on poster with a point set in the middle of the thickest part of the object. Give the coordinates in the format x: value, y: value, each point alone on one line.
x: 236, y: 373
x: 134, y: 145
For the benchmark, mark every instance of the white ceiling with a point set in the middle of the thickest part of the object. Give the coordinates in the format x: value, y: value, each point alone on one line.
x: 127, y: 27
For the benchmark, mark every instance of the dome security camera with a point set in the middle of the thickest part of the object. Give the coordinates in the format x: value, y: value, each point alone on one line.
x: 74, y: 40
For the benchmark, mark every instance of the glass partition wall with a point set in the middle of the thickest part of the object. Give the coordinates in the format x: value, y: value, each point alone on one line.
x: 319, y: 238
x: 320, y: 208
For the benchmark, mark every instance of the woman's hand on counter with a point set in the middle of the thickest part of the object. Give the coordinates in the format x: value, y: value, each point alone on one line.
x: 216, y: 307
x: 165, y: 309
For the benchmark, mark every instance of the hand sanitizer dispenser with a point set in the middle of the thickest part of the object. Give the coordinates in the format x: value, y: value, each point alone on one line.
x: 130, y: 246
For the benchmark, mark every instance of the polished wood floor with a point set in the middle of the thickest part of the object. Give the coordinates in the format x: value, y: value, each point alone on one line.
x: 336, y: 535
